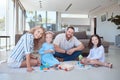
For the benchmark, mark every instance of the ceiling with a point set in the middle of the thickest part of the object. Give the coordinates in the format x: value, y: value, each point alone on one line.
x: 77, y: 6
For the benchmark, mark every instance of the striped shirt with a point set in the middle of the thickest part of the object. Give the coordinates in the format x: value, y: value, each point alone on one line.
x: 61, y: 41
x: 24, y: 46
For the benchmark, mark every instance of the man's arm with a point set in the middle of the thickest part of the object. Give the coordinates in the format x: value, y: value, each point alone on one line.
x: 58, y: 49
x: 79, y: 48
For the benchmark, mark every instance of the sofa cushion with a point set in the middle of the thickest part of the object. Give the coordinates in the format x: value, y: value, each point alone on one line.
x: 80, y: 35
x: 57, y: 32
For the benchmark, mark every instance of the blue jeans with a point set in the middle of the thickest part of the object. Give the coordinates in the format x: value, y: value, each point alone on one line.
x: 67, y: 57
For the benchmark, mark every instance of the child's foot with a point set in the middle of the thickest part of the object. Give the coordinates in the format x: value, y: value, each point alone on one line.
x: 109, y: 65
x: 95, y: 65
x: 60, y: 59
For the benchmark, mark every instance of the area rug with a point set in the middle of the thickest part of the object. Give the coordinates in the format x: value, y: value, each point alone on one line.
x: 5, y: 69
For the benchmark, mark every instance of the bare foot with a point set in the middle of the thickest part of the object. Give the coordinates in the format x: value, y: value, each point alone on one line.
x: 109, y: 65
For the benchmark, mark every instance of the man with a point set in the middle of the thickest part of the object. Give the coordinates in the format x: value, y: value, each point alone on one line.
x: 67, y: 46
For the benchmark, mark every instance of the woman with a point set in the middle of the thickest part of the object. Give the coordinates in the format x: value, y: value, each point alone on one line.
x: 21, y: 54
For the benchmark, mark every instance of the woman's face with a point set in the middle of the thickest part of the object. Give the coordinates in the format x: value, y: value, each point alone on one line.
x: 95, y: 40
x: 49, y: 38
x: 38, y: 33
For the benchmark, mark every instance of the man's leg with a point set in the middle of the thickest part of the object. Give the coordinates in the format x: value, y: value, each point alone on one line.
x: 60, y: 55
x: 67, y: 57
x: 73, y: 56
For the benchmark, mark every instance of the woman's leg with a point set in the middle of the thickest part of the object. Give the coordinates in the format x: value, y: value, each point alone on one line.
x: 33, y: 62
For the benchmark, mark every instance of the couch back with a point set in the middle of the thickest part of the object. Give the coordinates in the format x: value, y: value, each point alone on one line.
x: 78, y: 35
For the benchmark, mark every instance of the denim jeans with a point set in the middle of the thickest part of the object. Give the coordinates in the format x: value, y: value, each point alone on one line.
x: 67, y: 57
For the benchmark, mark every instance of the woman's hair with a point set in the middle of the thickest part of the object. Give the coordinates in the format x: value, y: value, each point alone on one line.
x: 38, y: 42
x: 90, y: 44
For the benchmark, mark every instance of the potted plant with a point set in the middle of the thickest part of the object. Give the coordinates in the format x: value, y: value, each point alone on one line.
x: 115, y: 20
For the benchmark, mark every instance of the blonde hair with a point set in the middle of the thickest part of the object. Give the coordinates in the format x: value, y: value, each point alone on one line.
x: 38, y: 42
x: 50, y: 32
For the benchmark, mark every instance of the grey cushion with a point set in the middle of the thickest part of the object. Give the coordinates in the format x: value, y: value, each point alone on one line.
x: 80, y: 35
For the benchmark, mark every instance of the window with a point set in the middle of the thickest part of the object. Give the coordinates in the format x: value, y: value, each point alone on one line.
x: 20, y: 21
x: 74, y: 16
x: 2, y: 15
x: 51, y: 21
x: 42, y: 18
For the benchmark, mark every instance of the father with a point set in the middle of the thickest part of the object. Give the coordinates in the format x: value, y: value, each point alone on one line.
x: 67, y: 46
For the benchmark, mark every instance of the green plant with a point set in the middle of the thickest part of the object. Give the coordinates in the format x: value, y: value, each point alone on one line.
x: 115, y: 20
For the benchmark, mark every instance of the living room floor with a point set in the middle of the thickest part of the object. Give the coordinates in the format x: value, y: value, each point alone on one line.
x: 100, y: 73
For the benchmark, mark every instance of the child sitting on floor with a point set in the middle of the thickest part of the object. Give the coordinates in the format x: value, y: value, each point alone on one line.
x: 96, y: 56
x: 47, y: 51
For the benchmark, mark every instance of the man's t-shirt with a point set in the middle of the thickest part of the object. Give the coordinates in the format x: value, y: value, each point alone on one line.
x: 61, y: 41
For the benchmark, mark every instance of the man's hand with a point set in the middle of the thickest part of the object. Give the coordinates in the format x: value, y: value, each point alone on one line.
x: 70, y: 52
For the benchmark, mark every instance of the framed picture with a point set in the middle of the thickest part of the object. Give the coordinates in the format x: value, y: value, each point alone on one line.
x: 103, y: 17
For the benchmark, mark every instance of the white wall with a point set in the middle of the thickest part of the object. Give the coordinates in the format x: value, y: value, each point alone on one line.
x: 76, y: 21
x: 107, y: 29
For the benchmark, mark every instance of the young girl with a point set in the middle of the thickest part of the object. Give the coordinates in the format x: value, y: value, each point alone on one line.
x: 96, y: 56
x: 47, y: 51
x: 21, y: 54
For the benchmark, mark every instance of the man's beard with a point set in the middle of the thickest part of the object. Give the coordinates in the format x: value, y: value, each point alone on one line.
x: 68, y: 37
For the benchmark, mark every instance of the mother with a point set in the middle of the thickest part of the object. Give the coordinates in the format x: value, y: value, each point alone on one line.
x: 21, y: 54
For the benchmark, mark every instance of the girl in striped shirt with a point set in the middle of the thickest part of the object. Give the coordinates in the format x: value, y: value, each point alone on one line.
x: 21, y: 54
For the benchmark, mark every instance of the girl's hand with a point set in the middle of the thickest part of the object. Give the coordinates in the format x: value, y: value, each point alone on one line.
x: 30, y: 69
x: 52, y: 51
x: 49, y: 51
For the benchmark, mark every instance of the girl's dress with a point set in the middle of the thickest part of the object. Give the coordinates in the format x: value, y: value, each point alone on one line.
x: 97, y: 53
x: 47, y: 59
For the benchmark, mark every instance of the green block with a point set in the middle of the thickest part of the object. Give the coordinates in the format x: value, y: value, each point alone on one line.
x: 80, y: 57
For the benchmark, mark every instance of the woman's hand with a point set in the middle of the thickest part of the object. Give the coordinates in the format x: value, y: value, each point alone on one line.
x: 30, y: 69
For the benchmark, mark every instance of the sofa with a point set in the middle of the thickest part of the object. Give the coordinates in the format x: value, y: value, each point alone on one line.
x: 82, y: 36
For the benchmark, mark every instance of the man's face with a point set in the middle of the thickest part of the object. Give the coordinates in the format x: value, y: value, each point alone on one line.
x: 69, y: 33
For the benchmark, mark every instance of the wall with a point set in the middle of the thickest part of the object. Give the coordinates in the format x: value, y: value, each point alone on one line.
x: 77, y: 22
x: 107, y: 29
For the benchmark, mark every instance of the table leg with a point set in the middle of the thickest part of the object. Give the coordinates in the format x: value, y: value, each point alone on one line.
x: 9, y: 43
x: 6, y: 43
